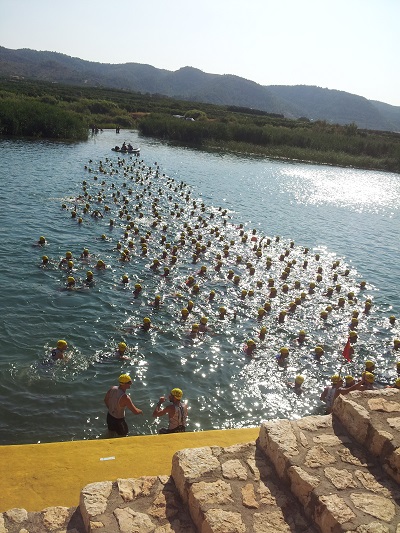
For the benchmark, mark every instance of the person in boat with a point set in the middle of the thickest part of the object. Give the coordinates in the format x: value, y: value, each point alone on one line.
x: 117, y: 400
x: 177, y: 412
x: 124, y: 147
x: 130, y: 147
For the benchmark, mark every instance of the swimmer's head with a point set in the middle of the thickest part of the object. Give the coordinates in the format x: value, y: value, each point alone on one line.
x: 369, y: 377
x: 335, y: 378
x: 177, y: 393
x: 45, y: 259
x: 203, y: 320
x: 122, y: 347
x: 146, y: 321
x: 42, y: 239
x: 284, y: 351
x: 89, y: 274
x: 71, y: 280
x: 62, y: 345
x: 124, y: 379
x: 68, y: 255
x: 369, y: 365
x: 299, y: 380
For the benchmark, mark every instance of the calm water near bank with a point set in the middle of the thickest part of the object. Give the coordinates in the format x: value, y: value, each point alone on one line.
x: 344, y: 215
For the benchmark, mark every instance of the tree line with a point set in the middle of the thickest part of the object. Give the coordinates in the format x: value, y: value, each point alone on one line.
x: 54, y: 111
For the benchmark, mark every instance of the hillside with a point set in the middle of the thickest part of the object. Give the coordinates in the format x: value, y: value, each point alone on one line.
x: 194, y: 85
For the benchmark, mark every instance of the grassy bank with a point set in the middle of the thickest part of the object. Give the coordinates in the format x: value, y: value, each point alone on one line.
x: 44, y: 110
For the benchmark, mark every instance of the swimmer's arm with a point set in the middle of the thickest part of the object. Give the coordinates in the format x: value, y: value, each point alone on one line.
x: 127, y: 402
x: 158, y: 411
x: 106, y: 397
x: 323, y: 395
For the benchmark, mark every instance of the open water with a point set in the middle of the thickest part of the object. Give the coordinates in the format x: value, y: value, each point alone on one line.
x: 193, y: 200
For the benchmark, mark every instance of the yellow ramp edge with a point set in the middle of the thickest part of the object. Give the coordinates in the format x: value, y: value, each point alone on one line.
x: 36, y: 476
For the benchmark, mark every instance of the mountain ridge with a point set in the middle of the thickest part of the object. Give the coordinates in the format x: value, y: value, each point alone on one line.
x: 192, y: 84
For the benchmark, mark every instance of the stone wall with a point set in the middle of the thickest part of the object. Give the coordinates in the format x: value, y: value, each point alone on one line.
x: 333, y: 473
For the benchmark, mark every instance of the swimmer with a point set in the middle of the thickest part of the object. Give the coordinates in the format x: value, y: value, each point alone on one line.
x: 59, y: 351
x: 100, y: 265
x: 194, y: 331
x: 64, y: 261
x: 318, y: 352
x: 262, y: 333
x: 45, y: 261
x: 125, y: 279
x: 282, y: 356
x: 42, y: 241
x: 297, y: 385
x: 156, y: 303
x: 203, y: 325
x: 249, y: 347
x: 184, y: 314
x: 138, y: 290
x: 85, y: 254
x: 120, y: 351
x: 71, y: 284
x: 302, y: 337
x: 222, y: 313
x: 89, y: 278
x: 331, y: 392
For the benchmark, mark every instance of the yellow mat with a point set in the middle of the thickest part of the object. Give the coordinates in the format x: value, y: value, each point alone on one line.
x: 35, y: 476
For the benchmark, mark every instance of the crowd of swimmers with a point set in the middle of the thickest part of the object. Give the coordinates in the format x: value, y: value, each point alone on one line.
x: 250, y: 267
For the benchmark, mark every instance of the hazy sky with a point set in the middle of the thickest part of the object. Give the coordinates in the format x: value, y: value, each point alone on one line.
x: 350, y: 45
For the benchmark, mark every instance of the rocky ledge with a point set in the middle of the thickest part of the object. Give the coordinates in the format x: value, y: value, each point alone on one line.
x: 333, y: 473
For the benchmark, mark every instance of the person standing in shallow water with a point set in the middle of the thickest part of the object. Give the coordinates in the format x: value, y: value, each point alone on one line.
x: 177, y: 412
x: 117, y: 400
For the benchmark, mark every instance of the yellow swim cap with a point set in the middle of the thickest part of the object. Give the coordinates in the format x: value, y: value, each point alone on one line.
x: 302, y: 333
x: 62, y: 344
x: 369, y: 377
x: 299, y: 380
x: 68, y: 255
x: 70, y: 280
x: 203, y: 320
x: 222, y: 310
x: 125, y: 378
x: 137, y: 286
x: 250, y: 342
x: 70, y: 264
x: 369, y: 365
x: 122, y: 346
x: 177, y: 393
x: 146, y: 320
x: 284, y: 350
x: 397, y: 383
x: 349, y: 379
x: 89, y: 274
x: 42, y: 239
x: 184, y: 312
x: 195, y: 326
x: 335, y: 378
x: 45, y: 258
x: 319, y: 349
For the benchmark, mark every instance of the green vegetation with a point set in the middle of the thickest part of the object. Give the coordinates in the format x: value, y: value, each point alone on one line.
x: 47, y: 110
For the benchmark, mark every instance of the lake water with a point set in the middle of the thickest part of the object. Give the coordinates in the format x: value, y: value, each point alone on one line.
x: 345, y: 215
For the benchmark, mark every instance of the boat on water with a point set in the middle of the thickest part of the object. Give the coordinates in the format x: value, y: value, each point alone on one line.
x: 122, y: 150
